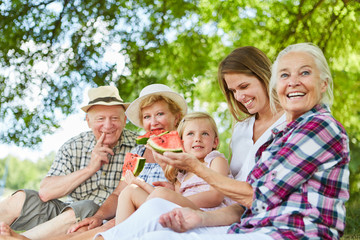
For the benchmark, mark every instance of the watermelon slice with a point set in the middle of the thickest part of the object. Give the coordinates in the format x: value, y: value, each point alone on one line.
x: 144, y: 138
x: 168, y: 142
x: 134, y: 163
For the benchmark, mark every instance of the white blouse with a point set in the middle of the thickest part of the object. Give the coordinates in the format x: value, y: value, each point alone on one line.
x: 243, y: 147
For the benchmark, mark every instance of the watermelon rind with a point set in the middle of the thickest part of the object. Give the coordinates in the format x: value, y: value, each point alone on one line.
x: 160, y: 149
x: 140, y: 166
x: 142, y: 140
x: 140, y: 163
x: 166, y: 132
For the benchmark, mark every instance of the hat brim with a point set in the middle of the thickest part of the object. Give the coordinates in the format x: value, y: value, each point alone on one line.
x: 132, y: 111
x: 86, y: 108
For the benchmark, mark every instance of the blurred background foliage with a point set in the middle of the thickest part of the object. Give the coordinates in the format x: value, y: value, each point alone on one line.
x: 51, y: 50
x: 25, y: 173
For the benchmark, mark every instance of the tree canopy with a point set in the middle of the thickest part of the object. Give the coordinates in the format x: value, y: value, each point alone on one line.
x: 50, y: 50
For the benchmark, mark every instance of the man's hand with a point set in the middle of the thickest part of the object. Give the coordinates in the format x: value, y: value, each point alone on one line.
x: 99, y: 155
x: 91, y: 222
x: 182, y: 219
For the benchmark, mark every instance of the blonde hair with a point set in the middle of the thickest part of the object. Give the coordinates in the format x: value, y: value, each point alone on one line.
x: 172, y: 172
x: 173, y: 106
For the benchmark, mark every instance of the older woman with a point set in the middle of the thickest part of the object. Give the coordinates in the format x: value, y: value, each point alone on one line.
x: 299, y: 185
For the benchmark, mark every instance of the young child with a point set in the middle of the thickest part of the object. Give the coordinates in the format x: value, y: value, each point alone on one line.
x: 200, y: 138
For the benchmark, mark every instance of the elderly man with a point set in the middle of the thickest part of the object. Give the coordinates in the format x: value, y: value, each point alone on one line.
x: 87, y: 169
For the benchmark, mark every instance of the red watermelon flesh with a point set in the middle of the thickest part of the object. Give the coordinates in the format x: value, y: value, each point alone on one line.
x: 144, y: 138
x: 169, y: 142
x: 134, y: 163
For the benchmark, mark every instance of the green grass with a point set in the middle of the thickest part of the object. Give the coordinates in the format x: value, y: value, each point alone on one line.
x: 352, y: 230
x: 350, y: 237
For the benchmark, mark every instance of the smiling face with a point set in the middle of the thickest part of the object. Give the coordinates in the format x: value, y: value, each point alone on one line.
x: 248, y: 91
x: 159, y: 116
x: 108, y: 119
x: 199, y: 138
x: 299, y: 86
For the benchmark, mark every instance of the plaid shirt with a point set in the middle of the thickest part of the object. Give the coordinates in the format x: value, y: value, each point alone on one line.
x: 75, y: 154
x: 300, y: 180
x: 151, y: 172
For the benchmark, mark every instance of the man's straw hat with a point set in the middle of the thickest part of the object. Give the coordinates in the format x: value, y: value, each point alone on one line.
x: 104, y: 95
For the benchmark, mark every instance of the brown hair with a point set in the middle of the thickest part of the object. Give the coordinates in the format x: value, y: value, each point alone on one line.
x: 245, y: 60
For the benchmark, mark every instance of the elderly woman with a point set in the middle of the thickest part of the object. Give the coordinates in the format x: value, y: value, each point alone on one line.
x: 299, y: 185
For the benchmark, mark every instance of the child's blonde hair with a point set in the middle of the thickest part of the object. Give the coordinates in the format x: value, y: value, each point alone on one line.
x: 170, y: 171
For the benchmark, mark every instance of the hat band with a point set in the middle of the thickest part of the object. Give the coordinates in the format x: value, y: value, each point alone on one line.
x: 105, y: 99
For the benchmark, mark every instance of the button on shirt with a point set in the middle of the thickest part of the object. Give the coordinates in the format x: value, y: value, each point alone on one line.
x: 300, y: 180
x: 75, y: 154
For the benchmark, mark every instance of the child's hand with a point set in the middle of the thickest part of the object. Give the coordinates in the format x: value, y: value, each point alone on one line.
x: 129, y: 177
x: 164, y: 184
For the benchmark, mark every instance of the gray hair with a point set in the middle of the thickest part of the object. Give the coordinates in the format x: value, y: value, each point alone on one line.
x: 321, y: 63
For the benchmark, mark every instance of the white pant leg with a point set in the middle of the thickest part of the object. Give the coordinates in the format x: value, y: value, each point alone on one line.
x: 145, y: 219
x: 144, y: 225
x: 167, y: 234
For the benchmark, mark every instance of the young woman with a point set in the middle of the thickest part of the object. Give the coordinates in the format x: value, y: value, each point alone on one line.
x: 244, y: 77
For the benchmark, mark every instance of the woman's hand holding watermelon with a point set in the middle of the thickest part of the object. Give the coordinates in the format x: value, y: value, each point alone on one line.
x: 184, y: 161
x: 181, y: 160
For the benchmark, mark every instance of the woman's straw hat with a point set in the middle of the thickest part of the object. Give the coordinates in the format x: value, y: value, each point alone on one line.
x: 133, y: 110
